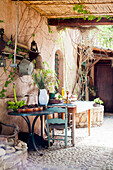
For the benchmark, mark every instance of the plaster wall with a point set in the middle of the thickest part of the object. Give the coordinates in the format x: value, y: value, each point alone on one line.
x: 30, y: 22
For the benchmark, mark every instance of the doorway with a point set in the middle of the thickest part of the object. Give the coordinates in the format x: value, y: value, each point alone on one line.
x: 59, y: 68
x: 103, y: 81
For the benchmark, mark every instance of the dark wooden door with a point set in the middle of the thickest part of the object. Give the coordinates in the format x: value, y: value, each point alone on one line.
x: 103, y: 79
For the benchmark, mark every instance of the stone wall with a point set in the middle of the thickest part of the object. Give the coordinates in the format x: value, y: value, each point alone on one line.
x: 30, y: 22
x: 16, y: 160
x: 97, y: 115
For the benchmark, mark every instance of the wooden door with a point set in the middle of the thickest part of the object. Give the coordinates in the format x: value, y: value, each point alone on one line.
x: 104, y: 83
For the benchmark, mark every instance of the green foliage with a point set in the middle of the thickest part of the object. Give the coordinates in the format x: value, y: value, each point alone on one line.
x: 11, y: 74
x: 39, y: 80
x: 99, y: 18
x: 105, y: 36
x: 50, y: 31
x: 17, y: 104
x: 98, y: 101
x: 46, y: 78
x: 80, y: 10
x: 1, y: 21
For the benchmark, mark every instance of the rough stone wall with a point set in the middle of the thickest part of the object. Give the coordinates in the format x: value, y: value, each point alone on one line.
x: 97, y: 117
x: 14, y: 161
x: 30, y: 22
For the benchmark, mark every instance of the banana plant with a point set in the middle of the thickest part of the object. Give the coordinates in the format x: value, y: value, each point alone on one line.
x: 16, y: 104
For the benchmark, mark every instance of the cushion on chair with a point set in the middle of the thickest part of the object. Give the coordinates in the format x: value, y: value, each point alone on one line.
x: 57, y: 126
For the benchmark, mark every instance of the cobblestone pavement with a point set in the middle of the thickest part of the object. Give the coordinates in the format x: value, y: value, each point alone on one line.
x: 93, y: 152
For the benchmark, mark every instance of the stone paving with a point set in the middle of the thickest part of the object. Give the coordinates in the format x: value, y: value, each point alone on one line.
x: 93, y: 152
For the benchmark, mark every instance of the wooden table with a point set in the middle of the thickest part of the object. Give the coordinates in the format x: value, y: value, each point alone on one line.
x: 77, y: 107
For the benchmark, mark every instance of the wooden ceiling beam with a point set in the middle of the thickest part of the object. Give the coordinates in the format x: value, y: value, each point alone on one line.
x: 78, y: 22
x: 64, y: 1
x: 72, y: 15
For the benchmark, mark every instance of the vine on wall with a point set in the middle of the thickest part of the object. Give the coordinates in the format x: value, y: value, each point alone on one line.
x: 11, y: 74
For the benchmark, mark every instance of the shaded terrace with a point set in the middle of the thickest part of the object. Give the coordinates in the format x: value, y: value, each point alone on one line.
x: 55, y: 13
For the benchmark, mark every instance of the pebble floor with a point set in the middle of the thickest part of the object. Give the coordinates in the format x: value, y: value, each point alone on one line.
x: 94, y: 152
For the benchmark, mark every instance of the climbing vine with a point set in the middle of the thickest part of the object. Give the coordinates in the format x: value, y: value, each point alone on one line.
x: 11, y: 74
x: 86, y: 14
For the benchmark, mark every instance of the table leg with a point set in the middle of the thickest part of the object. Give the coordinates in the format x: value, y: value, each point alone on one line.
x: 28, y: 123
x: 29, y: 128
x: 33, y: 139
x: 89, y: 121
x: 73, y: 128
x: 31, y: 132
x: 42, y: 125
x: 73, y: 111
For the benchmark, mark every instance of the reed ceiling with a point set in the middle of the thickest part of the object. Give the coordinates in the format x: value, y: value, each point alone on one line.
x: 64, y: 8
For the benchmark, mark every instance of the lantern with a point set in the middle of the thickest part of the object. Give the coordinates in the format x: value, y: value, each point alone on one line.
x: 34, y: 46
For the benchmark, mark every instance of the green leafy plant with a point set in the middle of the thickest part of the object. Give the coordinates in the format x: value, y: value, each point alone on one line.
x: 46, y: 78
x: 98, y: 101
x: 17, y: 104
x: 11, y: 75
x: 49, y: 28
x: 86, y: 14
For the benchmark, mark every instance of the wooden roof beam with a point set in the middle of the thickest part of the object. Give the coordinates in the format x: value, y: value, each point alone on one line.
x: 78, y: 22
x: 68, y: 2
x: 63, y: 3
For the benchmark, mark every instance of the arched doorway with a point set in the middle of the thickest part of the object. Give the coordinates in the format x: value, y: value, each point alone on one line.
x: 59, y: 68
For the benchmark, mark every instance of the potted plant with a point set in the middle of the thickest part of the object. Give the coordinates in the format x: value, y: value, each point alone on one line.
x: 16, y: 104
x: 46, y: 80
x: 97, y: 102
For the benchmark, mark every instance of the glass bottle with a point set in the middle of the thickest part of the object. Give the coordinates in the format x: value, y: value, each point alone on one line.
x: 62, y: 91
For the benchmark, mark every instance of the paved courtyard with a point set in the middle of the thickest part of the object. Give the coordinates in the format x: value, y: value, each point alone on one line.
x: 93, y: 152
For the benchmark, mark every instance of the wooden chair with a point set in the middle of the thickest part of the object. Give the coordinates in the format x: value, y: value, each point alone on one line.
x: 57, y: 123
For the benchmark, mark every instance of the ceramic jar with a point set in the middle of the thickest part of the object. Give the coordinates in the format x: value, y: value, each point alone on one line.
x: 43, y: 97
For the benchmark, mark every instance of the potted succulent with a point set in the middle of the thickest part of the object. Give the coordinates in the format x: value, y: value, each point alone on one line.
x: 46, y: 80
x: 97, y: 102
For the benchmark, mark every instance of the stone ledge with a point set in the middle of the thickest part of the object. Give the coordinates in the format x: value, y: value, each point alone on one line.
x: 16, y: 160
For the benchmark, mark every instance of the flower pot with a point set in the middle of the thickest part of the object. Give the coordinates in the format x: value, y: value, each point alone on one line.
x: 51, y: 95
x: 96, y: 105
x: 43, y: 97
